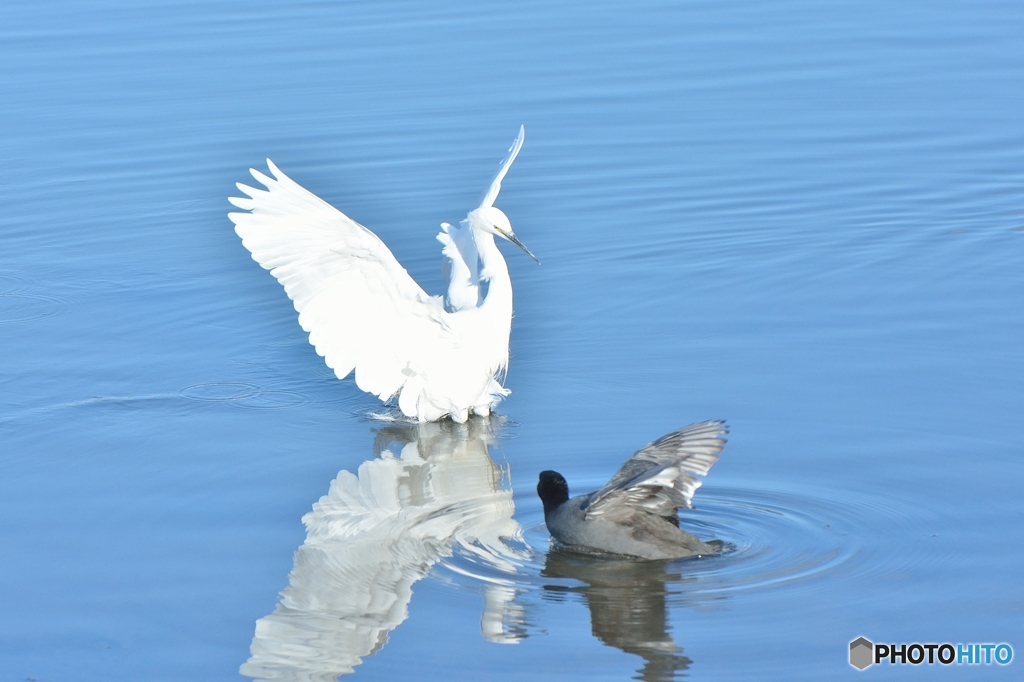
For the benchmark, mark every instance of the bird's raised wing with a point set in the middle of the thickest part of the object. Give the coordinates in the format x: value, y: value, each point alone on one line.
x: 361, y: 308
x: 513, y: 151
x: 662, y: 476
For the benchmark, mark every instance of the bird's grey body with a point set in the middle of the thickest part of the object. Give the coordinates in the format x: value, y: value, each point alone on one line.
x: 646, y: 535
x: 635, y: 514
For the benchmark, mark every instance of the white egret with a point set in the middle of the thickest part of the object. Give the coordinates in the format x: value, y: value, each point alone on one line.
x: 439, y: 356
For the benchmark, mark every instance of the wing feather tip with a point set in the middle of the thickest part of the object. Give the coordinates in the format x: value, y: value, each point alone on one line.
x: 262, y: 178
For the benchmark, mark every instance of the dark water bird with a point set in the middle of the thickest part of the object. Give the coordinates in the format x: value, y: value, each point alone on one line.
x: 635, y: 513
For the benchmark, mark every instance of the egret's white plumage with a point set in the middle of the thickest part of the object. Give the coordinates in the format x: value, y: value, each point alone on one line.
x: 439, y: 356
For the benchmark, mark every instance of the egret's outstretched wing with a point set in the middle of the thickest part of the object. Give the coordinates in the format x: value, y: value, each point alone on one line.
x: 361, y: 308
x: 513, y: 151
x: 662, y: 476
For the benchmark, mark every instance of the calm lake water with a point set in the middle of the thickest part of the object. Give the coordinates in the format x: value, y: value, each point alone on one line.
x: 806, y: 218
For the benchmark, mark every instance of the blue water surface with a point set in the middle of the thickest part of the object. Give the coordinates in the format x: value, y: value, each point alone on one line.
x: 805, y: 217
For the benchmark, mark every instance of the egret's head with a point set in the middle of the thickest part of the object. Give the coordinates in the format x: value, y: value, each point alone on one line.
x: 494, y: 220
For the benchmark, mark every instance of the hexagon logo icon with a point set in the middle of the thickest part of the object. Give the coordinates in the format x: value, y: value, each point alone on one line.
x: 861, y: 653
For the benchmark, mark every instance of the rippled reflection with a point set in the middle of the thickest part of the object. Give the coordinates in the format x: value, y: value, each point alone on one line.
x: 626, y: 598
x: 376, y: 533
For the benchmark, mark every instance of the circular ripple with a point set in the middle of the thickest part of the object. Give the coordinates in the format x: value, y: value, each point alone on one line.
x: 17, y: 307
x: 246, y: 396
x: 21, y: 299
x: 219, y: 392
x: 13, y: 283
x: 771, y: 539
x: 272, y: 399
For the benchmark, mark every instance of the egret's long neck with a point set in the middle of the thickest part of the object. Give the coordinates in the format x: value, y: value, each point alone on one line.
x: 497, y: 305
x: 498, y: 301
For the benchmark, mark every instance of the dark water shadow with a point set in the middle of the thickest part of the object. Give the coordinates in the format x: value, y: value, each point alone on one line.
x: 627, y: 602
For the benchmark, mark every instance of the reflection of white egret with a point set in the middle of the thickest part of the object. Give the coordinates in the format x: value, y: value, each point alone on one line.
x: 375, y: 534
x: 365, y: 313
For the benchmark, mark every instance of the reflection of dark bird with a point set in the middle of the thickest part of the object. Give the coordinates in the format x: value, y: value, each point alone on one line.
x: 627, y: 606
x: 635, y: 514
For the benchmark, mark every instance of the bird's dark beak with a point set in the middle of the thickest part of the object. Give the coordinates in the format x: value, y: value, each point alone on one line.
x: 515, y: 240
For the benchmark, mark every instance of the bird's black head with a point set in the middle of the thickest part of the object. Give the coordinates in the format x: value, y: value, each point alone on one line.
x: 553, y: 490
